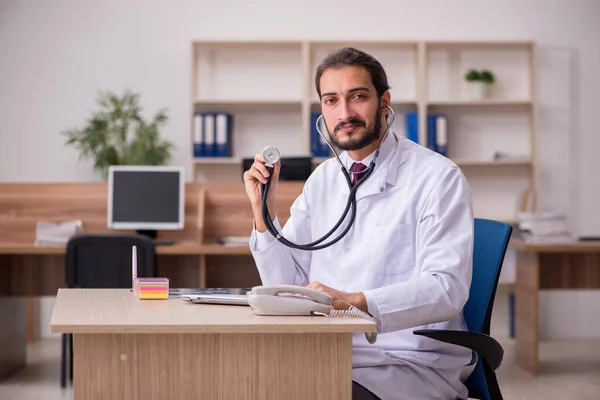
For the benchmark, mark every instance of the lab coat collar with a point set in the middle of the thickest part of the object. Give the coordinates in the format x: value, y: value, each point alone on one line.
x: 386, y: 168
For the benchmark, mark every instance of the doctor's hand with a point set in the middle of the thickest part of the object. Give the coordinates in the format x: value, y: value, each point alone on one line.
x: 357, y: 299
x: 253, y: 179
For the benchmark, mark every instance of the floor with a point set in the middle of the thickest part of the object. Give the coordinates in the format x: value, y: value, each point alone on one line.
x: 569, y: 370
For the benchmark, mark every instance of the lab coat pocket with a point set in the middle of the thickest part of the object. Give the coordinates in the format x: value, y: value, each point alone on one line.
x: 392, y: 249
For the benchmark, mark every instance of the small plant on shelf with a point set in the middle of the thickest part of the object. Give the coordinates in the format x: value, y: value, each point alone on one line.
x: 117, y: 134
x: 479, y: 83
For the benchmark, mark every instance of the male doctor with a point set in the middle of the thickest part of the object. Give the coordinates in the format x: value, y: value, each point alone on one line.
x: 407, y: 258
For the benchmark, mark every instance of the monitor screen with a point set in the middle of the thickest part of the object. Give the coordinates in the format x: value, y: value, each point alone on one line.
x: 146, y: 197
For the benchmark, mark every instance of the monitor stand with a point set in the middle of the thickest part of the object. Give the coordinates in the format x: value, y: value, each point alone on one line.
x: 152, y: 234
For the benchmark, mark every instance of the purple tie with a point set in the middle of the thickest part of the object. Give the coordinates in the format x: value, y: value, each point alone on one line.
x: 357, y: 172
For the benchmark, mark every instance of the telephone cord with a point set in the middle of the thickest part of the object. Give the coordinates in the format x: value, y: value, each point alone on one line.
x: 353, y: 312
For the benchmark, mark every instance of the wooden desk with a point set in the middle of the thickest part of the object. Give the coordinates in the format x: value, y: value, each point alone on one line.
x: 212, y: 210
x: 548, y: 266
x: 156, y: 349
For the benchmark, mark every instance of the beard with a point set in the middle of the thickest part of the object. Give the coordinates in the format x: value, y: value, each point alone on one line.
x: 358, y: 139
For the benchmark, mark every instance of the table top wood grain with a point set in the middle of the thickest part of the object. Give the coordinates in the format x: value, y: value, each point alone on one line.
x: 118, y: 311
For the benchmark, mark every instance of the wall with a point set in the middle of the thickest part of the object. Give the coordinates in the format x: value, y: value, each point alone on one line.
x: 56, y: 55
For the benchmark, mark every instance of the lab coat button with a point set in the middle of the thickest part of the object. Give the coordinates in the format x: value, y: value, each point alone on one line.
x: 337, y: 185
x: 381, y: 189
x: 346, y: 249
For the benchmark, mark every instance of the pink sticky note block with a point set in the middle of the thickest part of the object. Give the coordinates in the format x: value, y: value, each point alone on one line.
x: 151, y: 288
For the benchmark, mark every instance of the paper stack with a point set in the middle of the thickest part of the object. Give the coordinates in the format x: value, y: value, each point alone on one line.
x: 544, y: 228
x: 234, y: 240
x: 56, y: 233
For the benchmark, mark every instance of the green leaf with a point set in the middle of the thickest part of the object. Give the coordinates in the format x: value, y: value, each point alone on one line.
x: 487, y: 76
x: 117, y: 134
x: 472, y: 75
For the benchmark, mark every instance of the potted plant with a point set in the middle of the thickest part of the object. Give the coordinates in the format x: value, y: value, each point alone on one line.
x: 117, y: 134
x: 479, y: 83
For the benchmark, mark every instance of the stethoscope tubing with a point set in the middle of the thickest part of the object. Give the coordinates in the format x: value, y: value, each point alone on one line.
x: 350, y: 204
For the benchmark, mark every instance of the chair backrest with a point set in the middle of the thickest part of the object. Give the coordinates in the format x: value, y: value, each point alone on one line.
x: 104, y: 260
x: 490, y: 243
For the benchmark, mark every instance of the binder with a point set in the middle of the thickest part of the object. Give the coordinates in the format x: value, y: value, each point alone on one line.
x: 412, y: 127
x: 441, y: 135
x: 223, y: 122
x: 198, y: 135
x: 437, y: 131
x: 431, y: 132
x: 318, y: 145
x: 209, y: 135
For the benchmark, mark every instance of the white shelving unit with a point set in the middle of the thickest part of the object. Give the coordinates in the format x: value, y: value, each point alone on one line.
x: 268, y: 87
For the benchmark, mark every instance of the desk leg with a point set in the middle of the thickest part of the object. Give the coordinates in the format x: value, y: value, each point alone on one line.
x: 527, y: 310
x: 213, y: 366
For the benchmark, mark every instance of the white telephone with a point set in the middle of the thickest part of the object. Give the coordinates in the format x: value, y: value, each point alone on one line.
x: 299, y: 300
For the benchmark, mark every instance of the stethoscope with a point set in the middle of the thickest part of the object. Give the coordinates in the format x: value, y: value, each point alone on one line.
x: 271, y: 156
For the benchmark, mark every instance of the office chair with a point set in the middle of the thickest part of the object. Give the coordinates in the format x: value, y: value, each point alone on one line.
x: 490, y: 244
x: 102, y: 261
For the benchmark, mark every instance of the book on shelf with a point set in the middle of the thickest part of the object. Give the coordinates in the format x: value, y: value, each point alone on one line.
x: 437, y: 131
x: 318, y: 145
x: 212, y: 134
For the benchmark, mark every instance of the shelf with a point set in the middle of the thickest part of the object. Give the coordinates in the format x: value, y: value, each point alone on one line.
x: 462, y: 162
x: 397, y: 58
x: 217, y: 160
x: 479, y: 44
x: 477, y: 103
x: 395, y: 102
x: 262, y: 70
x: 246, y: 102
x: 268, y: 88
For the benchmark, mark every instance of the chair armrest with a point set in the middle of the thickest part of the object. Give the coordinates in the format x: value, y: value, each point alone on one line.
x: 484, y: 345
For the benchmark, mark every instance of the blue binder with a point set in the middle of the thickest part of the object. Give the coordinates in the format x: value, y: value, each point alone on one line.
x: 209, y: 135
x: 318, y: 145
x: 223, y: 129
x: 436, y: 141
x: 198, y: 135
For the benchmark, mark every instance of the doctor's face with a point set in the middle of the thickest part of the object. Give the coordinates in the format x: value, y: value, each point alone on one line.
x: 351, y: 108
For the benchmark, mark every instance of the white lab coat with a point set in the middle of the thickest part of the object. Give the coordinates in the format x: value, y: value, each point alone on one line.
x: 410, y: 253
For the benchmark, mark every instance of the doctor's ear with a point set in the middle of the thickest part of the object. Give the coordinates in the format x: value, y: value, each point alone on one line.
x: 385, y: 100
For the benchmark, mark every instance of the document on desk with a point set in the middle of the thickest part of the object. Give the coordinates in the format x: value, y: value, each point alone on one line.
x: 56, y: 233
x: 229, y: 296
x: 223, y: 299
x: 234, y: 240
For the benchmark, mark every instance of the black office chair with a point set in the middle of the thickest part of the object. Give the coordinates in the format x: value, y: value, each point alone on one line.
x: 103, y: 261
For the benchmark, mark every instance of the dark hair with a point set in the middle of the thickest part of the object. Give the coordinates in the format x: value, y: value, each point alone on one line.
x: 351, y: 57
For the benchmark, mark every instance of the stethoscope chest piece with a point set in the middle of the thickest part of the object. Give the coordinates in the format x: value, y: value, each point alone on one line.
x: 271, y: 155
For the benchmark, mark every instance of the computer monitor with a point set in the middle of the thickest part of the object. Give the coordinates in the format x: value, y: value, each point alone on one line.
x: 292, y: 168
x: 146, y: 198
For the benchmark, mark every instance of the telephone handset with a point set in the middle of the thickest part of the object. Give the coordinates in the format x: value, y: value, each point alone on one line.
x: 299, y: 300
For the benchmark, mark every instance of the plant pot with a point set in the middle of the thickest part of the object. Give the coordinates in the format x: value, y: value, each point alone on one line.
x: 478, y: 90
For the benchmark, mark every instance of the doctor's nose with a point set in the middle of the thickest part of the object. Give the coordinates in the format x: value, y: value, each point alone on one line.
x: 346, y: 112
